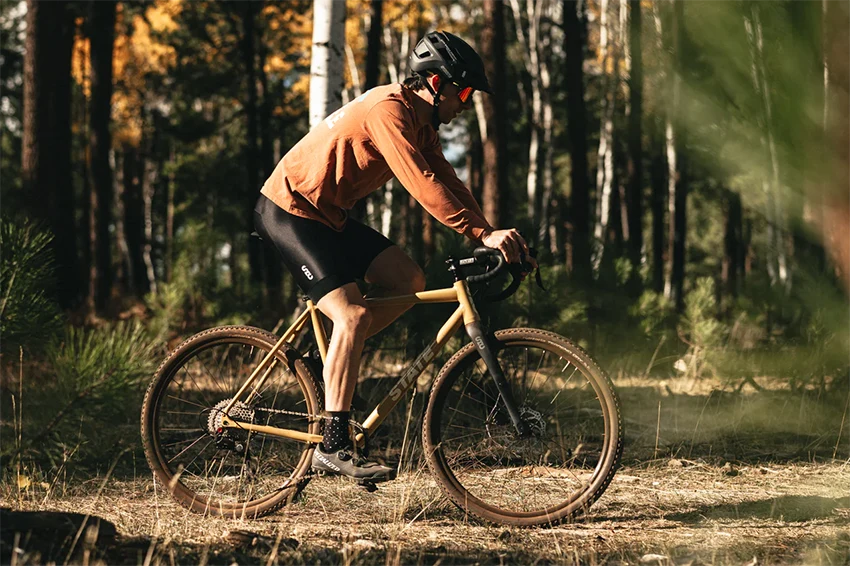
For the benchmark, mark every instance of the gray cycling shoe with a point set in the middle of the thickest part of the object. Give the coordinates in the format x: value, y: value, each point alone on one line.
x: 344, y: 463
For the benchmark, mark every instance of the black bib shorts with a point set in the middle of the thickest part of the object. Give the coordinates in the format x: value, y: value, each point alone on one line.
x: 320, y: 258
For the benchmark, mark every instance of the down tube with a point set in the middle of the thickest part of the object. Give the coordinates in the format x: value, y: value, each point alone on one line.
x: 410, y: 375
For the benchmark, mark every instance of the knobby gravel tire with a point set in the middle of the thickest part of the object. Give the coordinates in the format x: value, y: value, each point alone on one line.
x: 178, y: 424
x: 570, y: 406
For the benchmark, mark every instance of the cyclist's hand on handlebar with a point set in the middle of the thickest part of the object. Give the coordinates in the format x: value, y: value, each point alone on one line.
x: 512, y: 245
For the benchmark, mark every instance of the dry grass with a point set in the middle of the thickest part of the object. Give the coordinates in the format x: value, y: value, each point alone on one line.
x: 676, y: 509
x: 710, y: 477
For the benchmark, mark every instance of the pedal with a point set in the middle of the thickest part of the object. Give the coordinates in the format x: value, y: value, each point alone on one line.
x: 368, y: 485
x: 320, y: 473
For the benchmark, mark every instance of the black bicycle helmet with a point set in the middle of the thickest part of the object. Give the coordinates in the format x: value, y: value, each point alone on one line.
x: 451, y: 58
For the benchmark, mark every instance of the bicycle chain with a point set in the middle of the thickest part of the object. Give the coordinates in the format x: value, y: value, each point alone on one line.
x: 291, y: 413
x: 297, y: 414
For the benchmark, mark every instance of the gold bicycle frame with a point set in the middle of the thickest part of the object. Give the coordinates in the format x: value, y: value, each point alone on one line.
x: 465, y: 312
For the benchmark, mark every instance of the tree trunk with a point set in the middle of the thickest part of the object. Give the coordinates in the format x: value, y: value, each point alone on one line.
x: 272, y: 266
x: 148, y: 181
x: 605, y: 152
x: 777, y: 256
x: 387, y: 208
x: 327, y: 60
x: 46, y: 145
x: 170, y: 187
x: 574, y: 39
x: 678, y: 169
x: 531, y: 53
x: 494, y: 183
x: 373, y: 47
x: 836, y: 225
x: 102, y: 34
x: 657, y: 174
x: 733, y: 244
x: 252, y: 156
x: 134, y: 220
x: 634, y: 167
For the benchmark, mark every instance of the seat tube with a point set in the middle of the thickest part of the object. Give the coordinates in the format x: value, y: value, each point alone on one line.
x: 476, y: 334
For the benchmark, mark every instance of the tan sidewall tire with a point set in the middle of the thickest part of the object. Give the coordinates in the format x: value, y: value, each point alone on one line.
x: 604, y: 472
x: 239, y: 334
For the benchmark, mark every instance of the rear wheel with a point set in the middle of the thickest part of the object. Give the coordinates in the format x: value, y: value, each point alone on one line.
x: 229, y: 472
x: 570, y: 408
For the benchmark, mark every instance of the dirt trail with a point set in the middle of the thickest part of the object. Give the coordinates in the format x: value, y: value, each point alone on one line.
x: 709, y: 477
x: 667, y: 512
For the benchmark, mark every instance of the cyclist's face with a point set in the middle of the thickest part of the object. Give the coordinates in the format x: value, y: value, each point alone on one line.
x: 450, y: 104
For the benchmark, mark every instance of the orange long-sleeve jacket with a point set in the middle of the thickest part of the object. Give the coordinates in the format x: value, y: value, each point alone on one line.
x: 361, y: 146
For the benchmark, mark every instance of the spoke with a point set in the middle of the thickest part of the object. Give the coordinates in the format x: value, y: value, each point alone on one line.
x: 188, y: 447
x: 464, y: 413
x: 211, y: 376
x: 187, y: 402
x: 197, y: 387
x: 525, y: 474
x: 201, y: 451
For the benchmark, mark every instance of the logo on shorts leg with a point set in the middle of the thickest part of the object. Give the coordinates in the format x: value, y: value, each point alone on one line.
x: 307, y: 272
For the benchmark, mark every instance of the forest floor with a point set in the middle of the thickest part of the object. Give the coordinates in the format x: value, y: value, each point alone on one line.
x: 710, y: 475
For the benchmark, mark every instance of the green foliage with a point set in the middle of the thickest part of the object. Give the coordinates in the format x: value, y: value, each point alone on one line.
x: 699, y: 323
x: 201, y: 291
x: 86, y: 400
x: 699, y: 328
x: 103, y: 363
x: 29, y: 314
x: 654, y: 312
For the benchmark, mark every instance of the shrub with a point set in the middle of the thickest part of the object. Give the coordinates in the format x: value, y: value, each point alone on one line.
x: 29, y: 314
x: 699, y: 327
x: 89, y: 395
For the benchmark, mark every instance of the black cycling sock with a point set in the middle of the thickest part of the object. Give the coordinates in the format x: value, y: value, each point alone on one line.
x: 336, y: 436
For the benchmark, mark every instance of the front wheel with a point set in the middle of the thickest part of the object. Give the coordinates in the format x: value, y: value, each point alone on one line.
x: 570, y: 408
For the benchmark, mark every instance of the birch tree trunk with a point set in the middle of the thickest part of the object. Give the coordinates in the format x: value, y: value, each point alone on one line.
x: 327, y: 59
x: 148, y: 186
x: 777, y: 264
x: 658, y: 169
x: 545, y: 235
x: 677, y: 166
x: 605, y: 152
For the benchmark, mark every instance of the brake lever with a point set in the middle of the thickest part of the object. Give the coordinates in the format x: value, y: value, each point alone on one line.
x: 527, y: 268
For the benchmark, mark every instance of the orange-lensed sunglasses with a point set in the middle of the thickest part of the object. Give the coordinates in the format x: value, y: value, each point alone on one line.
x: 464, y: 93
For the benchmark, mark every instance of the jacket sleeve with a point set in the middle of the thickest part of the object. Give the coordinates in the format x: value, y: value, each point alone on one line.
x: 444, y: 171
x: 389, y: 126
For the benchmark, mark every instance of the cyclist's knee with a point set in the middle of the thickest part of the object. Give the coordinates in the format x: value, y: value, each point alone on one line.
x: 417, y: 280
x: 355, y: 319
x: 408, y: 281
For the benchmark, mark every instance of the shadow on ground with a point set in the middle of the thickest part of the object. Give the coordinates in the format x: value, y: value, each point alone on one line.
x: 787, y: 508
x: 745, y: 427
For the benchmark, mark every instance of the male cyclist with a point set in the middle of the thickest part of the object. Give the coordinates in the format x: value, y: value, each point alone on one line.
x: 303, y: 211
